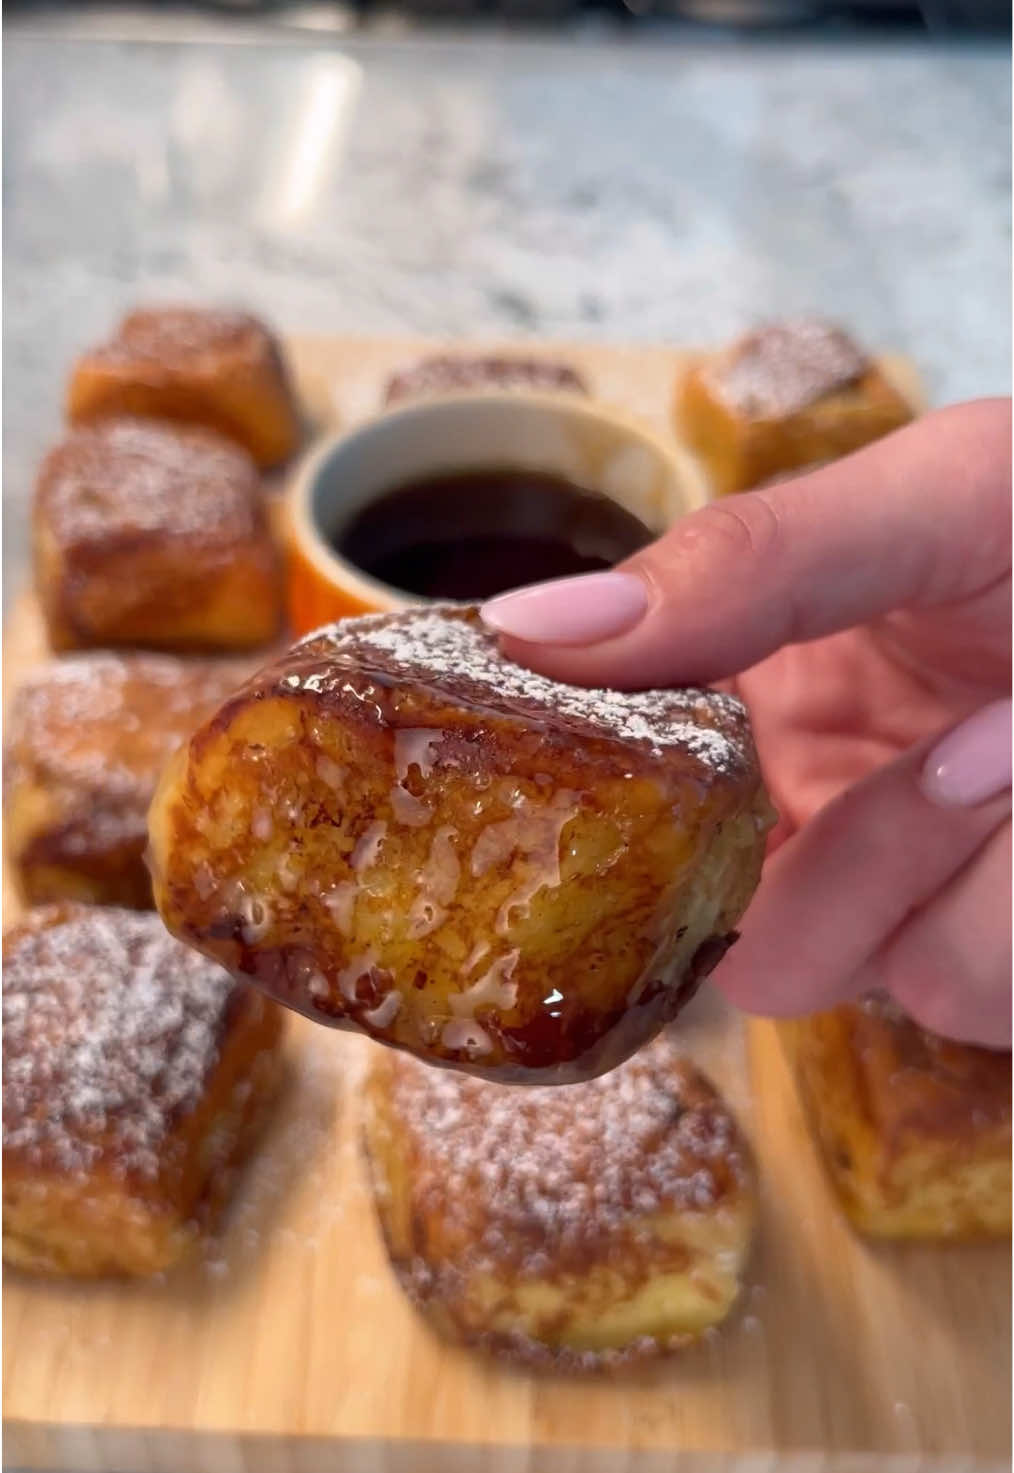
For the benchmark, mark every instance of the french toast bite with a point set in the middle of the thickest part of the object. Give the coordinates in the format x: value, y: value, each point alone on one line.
x: 154, y: 535
x: 579, y: 1228
x: 461, y: 373
x: 914, y: 1130
x: 783, y: 397
x: 223, y: 370
x: 394, y: 827
x: 137, y: 1074
x: 86, y: 740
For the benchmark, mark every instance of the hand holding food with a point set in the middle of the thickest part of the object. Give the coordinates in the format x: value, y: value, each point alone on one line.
x: 396, y: 828
x: 864, y: 611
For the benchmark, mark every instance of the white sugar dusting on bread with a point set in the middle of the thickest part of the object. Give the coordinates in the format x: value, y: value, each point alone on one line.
x: 95, y: 730
x: 781, y: 369
x: 111, y: 1030
x: 447, y: 647
x: 649, y: 1137
x: 126, y: 477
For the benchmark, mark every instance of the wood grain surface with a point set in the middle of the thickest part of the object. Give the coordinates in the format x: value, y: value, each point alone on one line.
x: 287, y: 1346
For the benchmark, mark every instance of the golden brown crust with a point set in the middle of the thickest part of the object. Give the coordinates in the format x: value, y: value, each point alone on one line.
x: 136, y: 1073
x: 456, y: 373
x: 220, y: 369
x: 149, y: 534
x: 784, y: 397
x: 915, y: 1130
x: 582, y: 1227
x: 86, y: 740
x: 396, y: 828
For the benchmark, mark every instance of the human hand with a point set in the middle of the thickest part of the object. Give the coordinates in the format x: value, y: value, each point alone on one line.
x: 863, y: 612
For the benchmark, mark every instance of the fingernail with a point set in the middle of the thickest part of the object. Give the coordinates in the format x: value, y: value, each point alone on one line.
x: 582, y: 610
x: 972, y: 762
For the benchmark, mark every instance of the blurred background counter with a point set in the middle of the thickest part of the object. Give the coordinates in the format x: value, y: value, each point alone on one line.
x: 630, y: 182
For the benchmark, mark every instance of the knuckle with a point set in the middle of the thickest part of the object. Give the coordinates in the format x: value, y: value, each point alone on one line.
x: 752, y: 524
x: 724, y: 535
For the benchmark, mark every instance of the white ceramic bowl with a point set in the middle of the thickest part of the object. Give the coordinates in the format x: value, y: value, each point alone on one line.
x: 563, y: 435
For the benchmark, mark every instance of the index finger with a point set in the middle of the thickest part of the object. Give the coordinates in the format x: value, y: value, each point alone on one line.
x: 919, y: 518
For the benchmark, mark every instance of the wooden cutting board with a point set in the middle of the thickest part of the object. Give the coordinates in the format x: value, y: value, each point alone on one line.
x: 287, y: 1346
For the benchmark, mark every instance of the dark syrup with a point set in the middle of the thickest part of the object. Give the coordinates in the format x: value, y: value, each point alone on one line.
x: 473, y: 534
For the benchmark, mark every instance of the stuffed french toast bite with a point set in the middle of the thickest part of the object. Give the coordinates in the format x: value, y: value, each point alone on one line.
x: 914, y: 1130
x: 154, y: 535
x: 200, y: 365
x: 579, y: 1228
x: 137, y: 1078
x: 786, y: 396
x: 396, y: 828
x: 461, y: 373
x: 86, y: 739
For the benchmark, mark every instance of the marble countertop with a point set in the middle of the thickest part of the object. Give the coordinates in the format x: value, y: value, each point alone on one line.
x: 630, y: 189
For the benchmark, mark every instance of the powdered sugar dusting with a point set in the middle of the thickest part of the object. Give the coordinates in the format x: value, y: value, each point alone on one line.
x: 95, y: 731
x: 780, y: 369
x: 111, y: 1028
x: 446, y: 373
x: 648, y: 1137
x: 178, y: 337
x: 129, y: 477
x: 448, y: 648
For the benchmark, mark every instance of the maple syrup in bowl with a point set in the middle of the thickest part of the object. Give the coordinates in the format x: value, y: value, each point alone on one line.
x: 470, y: 534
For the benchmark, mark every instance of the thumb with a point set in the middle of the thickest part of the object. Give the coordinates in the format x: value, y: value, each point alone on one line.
x: 916, y: 519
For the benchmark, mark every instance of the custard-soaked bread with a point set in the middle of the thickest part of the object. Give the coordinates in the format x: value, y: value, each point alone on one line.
x: 914, y: 1130
x: 461, y: 373
x: 220, y: 369
x: 136, y: 1074
x: 151, y: 534
x: 397, y: 828
x: 86, y: 740
x: 582, y: 1226
x: 789, y: 395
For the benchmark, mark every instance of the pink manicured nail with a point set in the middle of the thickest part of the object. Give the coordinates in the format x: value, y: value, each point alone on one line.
x: 582, y: 610
x: 972, y: 762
